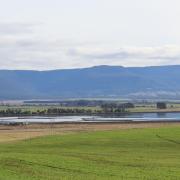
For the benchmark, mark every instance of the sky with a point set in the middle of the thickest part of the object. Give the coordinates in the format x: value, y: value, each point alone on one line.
x: 63, y: 34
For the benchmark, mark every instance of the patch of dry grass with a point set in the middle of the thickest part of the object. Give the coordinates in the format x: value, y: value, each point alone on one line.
x: 21, y: 132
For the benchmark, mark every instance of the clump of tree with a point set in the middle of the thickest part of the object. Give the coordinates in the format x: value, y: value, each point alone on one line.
x: 105, y: 108
x: 60, y: 111
x: 68, y: 103
x: 14, y: 112
x: 161, y: 105
x: 49, y: 111
x: 116, y: 108
x: 79, y: 103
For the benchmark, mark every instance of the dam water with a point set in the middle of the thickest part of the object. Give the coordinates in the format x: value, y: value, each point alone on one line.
x: 134, y: 117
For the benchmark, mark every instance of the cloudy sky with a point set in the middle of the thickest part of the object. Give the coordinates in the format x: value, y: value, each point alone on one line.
x: 56, y: 34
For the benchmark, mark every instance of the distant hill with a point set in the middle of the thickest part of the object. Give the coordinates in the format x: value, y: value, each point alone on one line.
x: 99, y: 81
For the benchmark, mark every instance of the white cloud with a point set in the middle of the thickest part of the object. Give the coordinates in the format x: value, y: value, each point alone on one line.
x: 57, y: 34
x: 164, y: 52
x: 130, y: 56
x: 40, y: 54
x: 16, y: 28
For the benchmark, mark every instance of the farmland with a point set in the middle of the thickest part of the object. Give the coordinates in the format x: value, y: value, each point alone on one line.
x: 144, y: 151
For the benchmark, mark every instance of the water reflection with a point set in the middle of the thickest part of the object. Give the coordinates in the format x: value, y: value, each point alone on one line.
x: 161, y: 115
x: 123, y: 117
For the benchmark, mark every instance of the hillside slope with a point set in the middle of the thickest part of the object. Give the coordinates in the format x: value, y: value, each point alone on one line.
x: 99, y: 81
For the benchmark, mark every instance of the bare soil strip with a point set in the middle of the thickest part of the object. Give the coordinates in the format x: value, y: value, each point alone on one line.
x: 20, y: 132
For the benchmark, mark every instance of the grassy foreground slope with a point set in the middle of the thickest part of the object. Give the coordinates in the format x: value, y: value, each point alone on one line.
x: 123, y: 154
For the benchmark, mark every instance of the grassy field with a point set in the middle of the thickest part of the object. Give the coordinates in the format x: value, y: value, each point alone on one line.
x: 118, y: 154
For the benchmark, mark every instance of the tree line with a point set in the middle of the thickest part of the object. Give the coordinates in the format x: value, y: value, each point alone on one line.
x: 105, y: 108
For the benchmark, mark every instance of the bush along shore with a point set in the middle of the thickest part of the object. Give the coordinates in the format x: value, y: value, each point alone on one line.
x: 62, y: 111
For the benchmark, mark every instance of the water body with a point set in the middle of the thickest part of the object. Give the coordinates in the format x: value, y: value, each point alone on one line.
x: 135, y: 117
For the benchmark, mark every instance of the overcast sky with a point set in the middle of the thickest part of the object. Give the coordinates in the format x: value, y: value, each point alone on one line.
x: 56, y: 34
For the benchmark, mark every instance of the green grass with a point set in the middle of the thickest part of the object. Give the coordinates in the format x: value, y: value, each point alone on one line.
x: 124, y: 154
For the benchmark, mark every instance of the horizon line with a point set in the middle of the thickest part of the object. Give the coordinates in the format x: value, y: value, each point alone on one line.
x: 88, y: 67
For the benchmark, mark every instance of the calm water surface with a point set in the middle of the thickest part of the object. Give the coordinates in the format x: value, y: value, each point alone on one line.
x: 126, y: 117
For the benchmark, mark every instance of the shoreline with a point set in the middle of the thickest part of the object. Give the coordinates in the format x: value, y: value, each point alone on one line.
x: 91, y: 114
x: 26, y: 120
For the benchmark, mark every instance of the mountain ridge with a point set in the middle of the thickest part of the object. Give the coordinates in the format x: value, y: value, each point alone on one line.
x: 97, y: 81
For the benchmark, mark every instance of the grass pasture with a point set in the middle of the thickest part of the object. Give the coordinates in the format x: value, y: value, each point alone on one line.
x: 149, y: 153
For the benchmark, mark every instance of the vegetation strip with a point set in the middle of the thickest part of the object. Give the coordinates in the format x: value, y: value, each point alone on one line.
x: 144, y: 153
